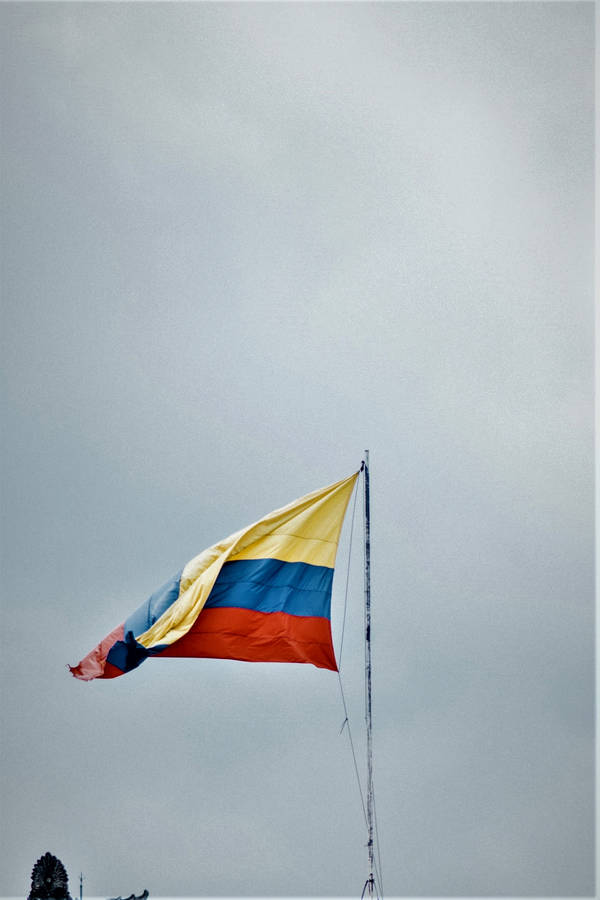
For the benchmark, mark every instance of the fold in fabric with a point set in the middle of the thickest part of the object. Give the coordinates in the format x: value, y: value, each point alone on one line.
x: 261, y: 595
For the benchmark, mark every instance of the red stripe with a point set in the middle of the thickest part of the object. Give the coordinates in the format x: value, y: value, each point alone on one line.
x: 232, y: 633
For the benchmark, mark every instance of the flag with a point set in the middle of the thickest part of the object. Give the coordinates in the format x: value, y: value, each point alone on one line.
x: 261, y: 595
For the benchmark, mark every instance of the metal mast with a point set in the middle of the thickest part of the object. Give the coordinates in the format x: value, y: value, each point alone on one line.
x: 369, y: 885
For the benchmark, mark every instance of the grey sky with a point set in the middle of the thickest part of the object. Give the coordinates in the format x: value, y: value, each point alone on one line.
x: 243, y: 242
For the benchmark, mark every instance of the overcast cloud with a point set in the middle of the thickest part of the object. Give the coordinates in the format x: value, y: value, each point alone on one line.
x: 243, y: 242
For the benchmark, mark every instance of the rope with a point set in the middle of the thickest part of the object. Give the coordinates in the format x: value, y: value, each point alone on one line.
x: 347, y: 722
x: 378, y: 864
x: 348, y: 574
x: 346, y: 716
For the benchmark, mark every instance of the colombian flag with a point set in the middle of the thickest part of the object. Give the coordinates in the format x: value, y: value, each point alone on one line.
x: 261, y: 595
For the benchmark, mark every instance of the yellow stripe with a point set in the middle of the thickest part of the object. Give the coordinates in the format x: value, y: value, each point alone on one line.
x: 306, y: 530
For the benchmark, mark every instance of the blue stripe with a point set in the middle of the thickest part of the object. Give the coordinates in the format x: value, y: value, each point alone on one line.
x: 270, y: 585
x: 128, y: 654
x: 146, y: 615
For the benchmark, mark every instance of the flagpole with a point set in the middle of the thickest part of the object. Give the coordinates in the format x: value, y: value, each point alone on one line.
x: 369, y: 886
